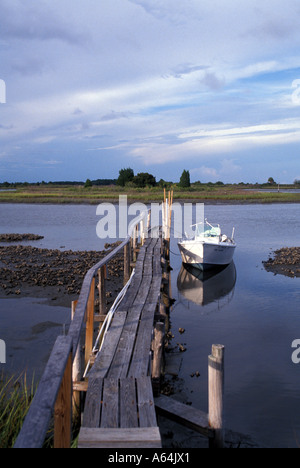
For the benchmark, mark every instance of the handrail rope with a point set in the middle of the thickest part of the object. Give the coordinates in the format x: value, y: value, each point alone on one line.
x: 107, y: 322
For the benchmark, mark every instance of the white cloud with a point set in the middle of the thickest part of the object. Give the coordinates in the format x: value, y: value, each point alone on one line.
x: 152, y: 81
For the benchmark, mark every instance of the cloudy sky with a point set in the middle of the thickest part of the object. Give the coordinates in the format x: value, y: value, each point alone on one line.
x: 93, y: 86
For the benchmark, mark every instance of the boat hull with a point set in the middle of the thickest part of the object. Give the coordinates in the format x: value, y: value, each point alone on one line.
x: 204, y: 255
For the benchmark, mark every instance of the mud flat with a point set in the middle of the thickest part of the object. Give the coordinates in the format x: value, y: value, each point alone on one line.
x: 56, y: 275
x: 286, y: 261
x: 19, y: 237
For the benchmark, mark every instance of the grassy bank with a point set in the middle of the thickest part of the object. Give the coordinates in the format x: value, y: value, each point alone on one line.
x: 95, y: 195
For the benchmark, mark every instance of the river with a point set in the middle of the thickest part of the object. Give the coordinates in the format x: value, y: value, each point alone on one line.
x: 255, y: 314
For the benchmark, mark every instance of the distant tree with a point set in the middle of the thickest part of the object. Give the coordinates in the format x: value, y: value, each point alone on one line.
x: 185, y: 180
x: 144, y: 179
x: 125, y: 176
x: 297, y: 182
x: 88, y: 183
x: 271, y: 181
x: 164, y: 184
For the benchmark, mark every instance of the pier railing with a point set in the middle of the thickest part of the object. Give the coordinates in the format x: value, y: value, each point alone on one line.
x: 54, y: 399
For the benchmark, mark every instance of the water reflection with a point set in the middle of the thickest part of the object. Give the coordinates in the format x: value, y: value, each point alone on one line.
x: 203, y: 288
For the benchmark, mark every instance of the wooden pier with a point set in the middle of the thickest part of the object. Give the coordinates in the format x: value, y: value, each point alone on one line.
x: 120, y: 375
x: 119, y: 408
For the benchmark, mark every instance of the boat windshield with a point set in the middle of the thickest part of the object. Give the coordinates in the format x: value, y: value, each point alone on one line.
x: 207, y: 230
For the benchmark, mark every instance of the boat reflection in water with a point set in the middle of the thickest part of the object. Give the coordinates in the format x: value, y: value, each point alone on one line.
x: 206, y: 287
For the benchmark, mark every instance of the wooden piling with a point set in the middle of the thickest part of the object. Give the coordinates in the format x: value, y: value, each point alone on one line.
x: 158, y: 350
x: 216, y: 395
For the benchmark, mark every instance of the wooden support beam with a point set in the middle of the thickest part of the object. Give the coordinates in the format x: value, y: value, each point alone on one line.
x: 183, y: 414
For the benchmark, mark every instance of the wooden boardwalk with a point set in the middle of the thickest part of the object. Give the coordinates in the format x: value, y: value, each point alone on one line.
x: 118, y: 382
x: 119, y: 408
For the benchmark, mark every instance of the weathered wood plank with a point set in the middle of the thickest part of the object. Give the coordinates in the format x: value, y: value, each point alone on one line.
x: 119, y: 438
x: 92, y: 409
x: 184, y: 414
x: 110, y: 405
x: 128, y: 404
x: 147, y: 415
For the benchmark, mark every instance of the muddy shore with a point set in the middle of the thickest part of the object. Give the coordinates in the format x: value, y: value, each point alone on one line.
x: 286, y: 261
x: 56, y: 275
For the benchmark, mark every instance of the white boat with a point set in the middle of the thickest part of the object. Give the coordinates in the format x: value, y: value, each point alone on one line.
x: 209, y: 247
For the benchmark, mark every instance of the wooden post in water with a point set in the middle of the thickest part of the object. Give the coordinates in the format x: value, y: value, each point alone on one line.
x: 216, y: 394
x: 158, y: 349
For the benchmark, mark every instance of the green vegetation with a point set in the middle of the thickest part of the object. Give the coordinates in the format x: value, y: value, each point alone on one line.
x: 185, y: 180
x: 125, y: 176
x: 197, y: 192
x: 15, y: 399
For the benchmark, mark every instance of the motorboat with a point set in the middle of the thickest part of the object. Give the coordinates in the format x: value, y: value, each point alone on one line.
x: 208, y: 248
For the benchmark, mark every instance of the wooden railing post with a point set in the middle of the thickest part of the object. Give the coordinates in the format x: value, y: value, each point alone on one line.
x: 127, y: 260
x: 76, y: 370
x: 216, y: 394
x: 102, y: 290
x: 89, y: 334
x: 63, y: 410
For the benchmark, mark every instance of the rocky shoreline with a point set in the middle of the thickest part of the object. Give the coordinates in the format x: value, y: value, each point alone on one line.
x: 19, y: 237
x: 56, y: 275
x: 286, y: 262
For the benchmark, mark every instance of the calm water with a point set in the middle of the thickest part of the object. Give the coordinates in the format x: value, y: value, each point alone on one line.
x: 255, y: 314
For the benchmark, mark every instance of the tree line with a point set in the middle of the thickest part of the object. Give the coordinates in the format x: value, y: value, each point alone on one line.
x: 127, y: 178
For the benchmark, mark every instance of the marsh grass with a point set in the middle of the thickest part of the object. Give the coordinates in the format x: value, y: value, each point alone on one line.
x: 15, y: 398
x: 94, y: 195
